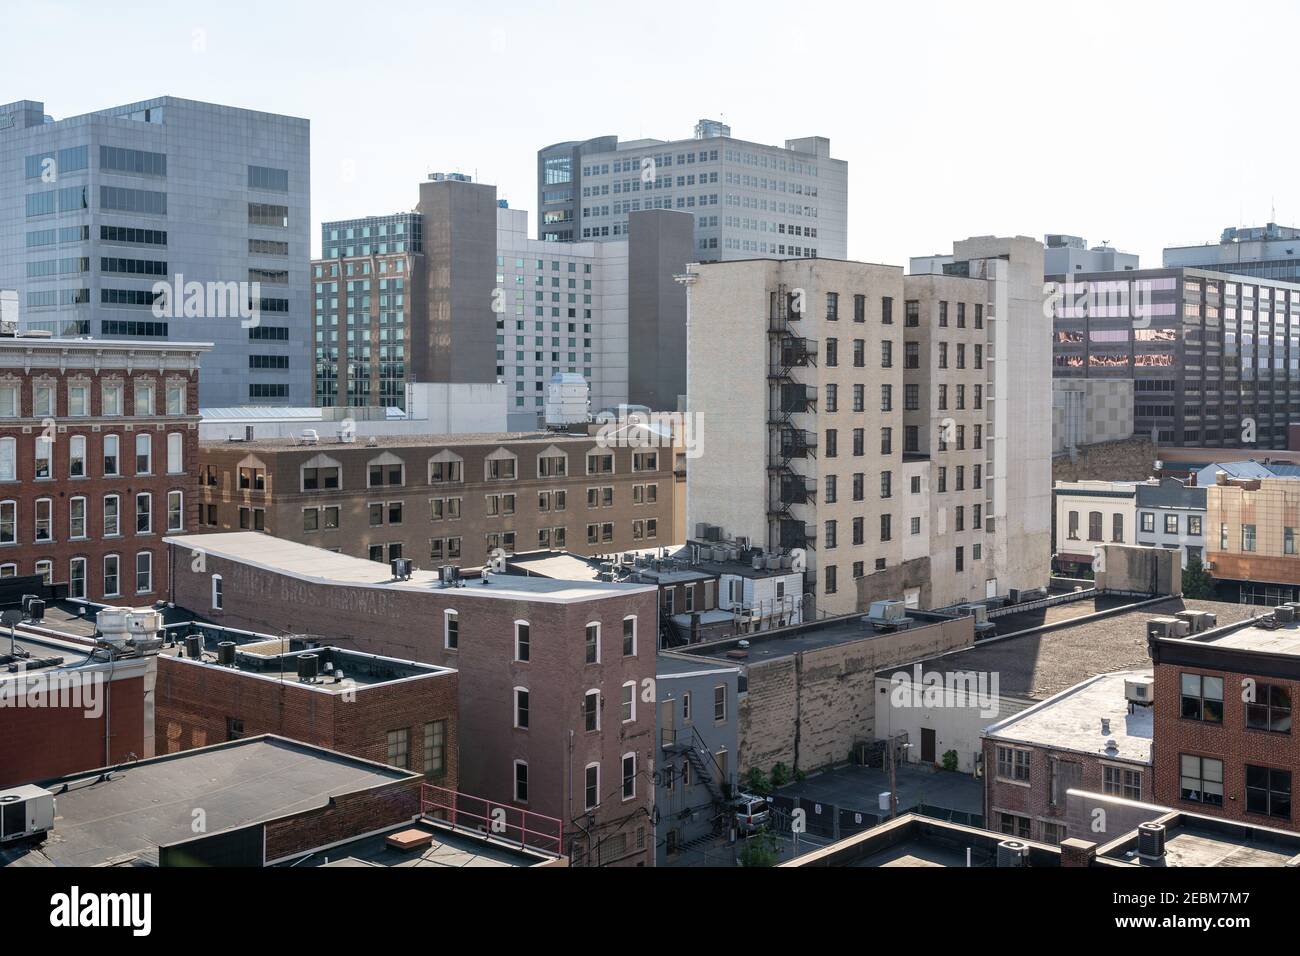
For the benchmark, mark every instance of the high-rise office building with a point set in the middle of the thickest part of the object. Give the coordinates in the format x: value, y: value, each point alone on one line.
x: 1265, y: 252
x: 457, y: 292
x: 98, y: 212
x: 749, y: 200
x: 1214, y: 357
x: 1066, y: 255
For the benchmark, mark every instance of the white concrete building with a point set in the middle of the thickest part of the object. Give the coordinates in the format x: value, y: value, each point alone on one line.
x: 1090, y: 514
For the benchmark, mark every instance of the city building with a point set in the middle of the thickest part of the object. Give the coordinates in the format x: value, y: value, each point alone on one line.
x: 442, y: 499
x: 1171, y: 514
x: 1265, y: 252
x: 368, y: 297
x: 1065, y: 255
x: 1215, y: 358
x: 396, y: 712
x: 696, y: 766
x: 98, y: 456
x: 251, y: 802
x: 803, y: 371
x: 1225, y: 744
x: 555, y: 678
x: 212, y: 202
x: 1251, y: 540
x: 1090, y: 514
x: 68, y: 707
x: 1090, y: 411
x: 456, y: 292
x: 747, y: 199
x: 1095, y: 736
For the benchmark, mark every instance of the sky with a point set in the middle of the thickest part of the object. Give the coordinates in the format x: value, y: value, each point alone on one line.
x: 1140, y: 123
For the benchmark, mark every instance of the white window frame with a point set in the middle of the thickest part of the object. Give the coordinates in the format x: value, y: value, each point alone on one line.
x: 218, y: 594
x: 635, y: 640
x: 8, y: 459
x: 72, y: 578
x: 175, y: 453
x: 117, y: 516
x: 11, y: 506
x: 48, y: 521
x: 725, y: 703
x: 591, y: 692
x: 518, y: 659
x: 448, y: 615
x: 516, y: 692
x: 627, y: 706
x: 589, y: 625
x: 138, y: 556
x: 180, y: 511
x: 45, y: 568
x: 117, y: 574
x: 72, y: 524
x: 149, y: 497
x: 111, y: 398
x: 514, y: 780
x: 116, y: 442
x: 75, y: 442
x: 145, y: 440
x: 43, y: 454
x: 623, y: 777
x: 596, y: 765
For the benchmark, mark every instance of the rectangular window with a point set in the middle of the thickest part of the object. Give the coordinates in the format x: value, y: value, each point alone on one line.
x: 1201, y: 780
x: 399, y: 748
x: 435, y: 747
x: 1202, y: 698
x: 1013, y: 764
x: 1268, y: 791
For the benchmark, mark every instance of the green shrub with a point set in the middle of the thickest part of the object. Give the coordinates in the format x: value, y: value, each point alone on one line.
x: 950, y: 760
x: 780, y: 775
x: 756, y: 781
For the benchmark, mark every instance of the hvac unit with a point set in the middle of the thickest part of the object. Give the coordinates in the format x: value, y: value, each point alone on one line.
x: 887, y: 612
x: 310, y: 436
x: 308, y: 667
x: 1140, y: 690
x: 1167, y: 627
x: 977, y: 611
x: 1013, y: 853
x: 1284, y: 614
x: 25, y: 812
x: 1151, y: 841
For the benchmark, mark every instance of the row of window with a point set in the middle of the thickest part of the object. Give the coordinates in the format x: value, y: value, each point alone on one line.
x: 79, y: 518
x: 112, y: 584
x: 44, y: 400
x: 1250, y: 539
x: 78, y: 461
x: 450, y: 469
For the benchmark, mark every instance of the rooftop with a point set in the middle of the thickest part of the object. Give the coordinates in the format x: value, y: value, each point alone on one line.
x: 1199, y: 841
x: 1283, y: 640
x: 319, y: 566
x: 123, y: 816
x: 448, y: 848
x: 1058, y: 654
x: 432, y: 440
x: 1072, y: 720
x: 669, y: 665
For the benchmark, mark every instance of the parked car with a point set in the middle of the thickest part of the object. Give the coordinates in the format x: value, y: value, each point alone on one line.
x: 752, y: 813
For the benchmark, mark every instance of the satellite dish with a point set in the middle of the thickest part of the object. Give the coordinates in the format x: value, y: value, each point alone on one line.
x: 11, y: 617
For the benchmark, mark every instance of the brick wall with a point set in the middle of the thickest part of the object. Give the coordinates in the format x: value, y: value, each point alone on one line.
x: 808, y: 710
x: 346, y: 817
x: 1132, y: 459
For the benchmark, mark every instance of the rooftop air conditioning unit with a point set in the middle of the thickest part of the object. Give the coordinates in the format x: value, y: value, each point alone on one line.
x: 977, y: 611
x: 1151, y: 841
x: 1284, y: 614
x: 310, y: 436
x: 25, y: 812
x: 1013, y: 853
x: 1140, y: 690
x: 1167, y: 627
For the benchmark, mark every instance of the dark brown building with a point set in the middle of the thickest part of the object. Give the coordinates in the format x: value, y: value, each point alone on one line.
x: 98, y: 452
x: 442, y: 499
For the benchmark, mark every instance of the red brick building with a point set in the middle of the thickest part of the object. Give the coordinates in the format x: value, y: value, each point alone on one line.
x: 556, y: 678
x: 58, y: 719
x: 390, y: 711
x: 98, y: 457
x: 1225, y: 744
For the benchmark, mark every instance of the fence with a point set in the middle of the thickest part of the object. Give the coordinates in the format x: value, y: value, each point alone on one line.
x: 496, y: 820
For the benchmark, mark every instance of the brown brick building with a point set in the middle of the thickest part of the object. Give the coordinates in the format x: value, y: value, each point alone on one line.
x: 390, y: 711
x: 555, y: 677
x: 98, y: 451
x: 1224, y: 740
x: 443, y: 499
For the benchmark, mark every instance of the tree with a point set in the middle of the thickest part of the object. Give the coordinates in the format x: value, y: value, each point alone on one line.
x: 1198, y: 583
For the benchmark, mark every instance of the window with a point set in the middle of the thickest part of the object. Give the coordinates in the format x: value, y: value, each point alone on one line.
x: 110, y: 455
x: 720, y: 703
x: 1269, y: 709
x: 521, y: 708
x: 1013, y: 825
x: 1122, y: 782
x: 1248, y: 537
x: 1288, y: 540
x: 175, y: 511
x: 1171, y: 524
x: 591, y: 711
x: 77, y: 456
x: 629, y: 636
x: 44, y: 511
x: 1268, y: 791
x: 144, y: 572
x: 1117, y: 528
x: 522, y: 644
x: 629, y: 776
x: 1194, y: 525
x: 175, y: 444
x: 435, y: 747
x: 8, y: 459
x: 112, y: 526
x: 77, y: 578
x: 76, y: 518
x: 143, y: 455
x: 399, y: 748
x: 44, y: 448
x: 1148, y: 522
x: 1013, y: 764
x: 144, y: 513
x: 591, y: 786
x: 450, y: 630
x: 628, y: 702
x: 112, y: 567
x: 593, y: 644
x: 1202, y: 698
x: 1073, y: 524
x: 1201, y: 780
x: 521, y: 781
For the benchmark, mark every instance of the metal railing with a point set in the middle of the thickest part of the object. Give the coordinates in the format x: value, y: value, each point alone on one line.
x: 526, y: 829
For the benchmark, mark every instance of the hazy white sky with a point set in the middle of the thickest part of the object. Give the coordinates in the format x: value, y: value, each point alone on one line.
x: 1142, y: 123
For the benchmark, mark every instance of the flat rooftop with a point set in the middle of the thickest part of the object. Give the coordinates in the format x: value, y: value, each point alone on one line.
x: 280, y: 659
x: 1072, y: 721
x: 673, y: 665
x: 122, y: 818
x: 1043, y: 663
x: 329, y: 442
x: 1283, y: 640
x: 1198, y: 841
x: 782, y: 642
x: 450, y: 848
x: 319, y: 566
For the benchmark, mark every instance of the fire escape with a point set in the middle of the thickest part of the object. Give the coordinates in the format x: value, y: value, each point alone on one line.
x: 788, y: 441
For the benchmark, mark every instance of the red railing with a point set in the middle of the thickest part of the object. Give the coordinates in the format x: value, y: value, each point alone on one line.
x: 533, y: 831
